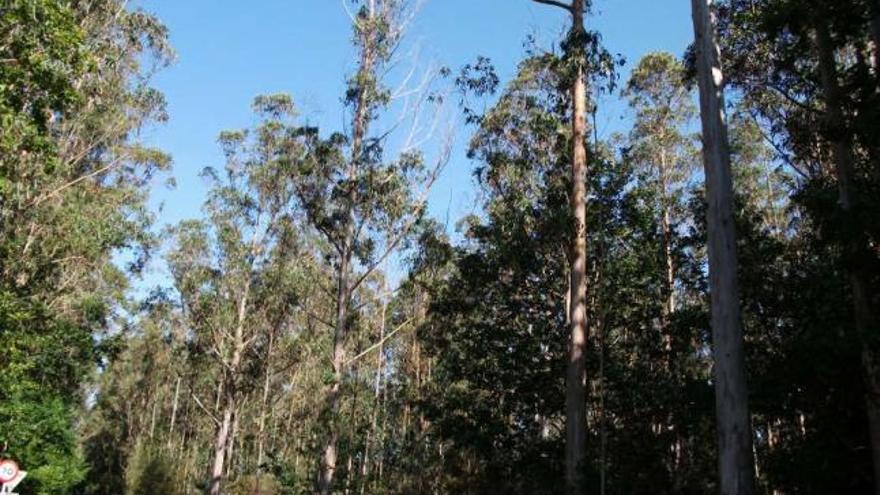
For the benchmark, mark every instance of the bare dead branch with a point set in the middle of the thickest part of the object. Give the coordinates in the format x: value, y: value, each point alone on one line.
x: 554, y: 3
x: 414, y: 218
x: 205, y: 409
x: 382, y: 341
x: 40, y: 199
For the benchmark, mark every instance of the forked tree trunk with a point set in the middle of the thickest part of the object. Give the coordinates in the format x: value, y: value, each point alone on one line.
x: 735, y: 458
x: 855, y: 250
x: 228, y: 388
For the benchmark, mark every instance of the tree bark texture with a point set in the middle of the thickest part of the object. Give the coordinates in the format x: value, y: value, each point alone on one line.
x: 735, y: 457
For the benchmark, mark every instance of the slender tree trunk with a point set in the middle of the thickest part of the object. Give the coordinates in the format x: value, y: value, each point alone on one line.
x: 218, y: 395
x: 855, y: 250
x: 261, y: 437
x: 380, y: 469
x: 773, y: 221
x: 153, y: 414
x: 184, y: 430
x: 669, y: 306
x: 735, y: 463
x: 576, y: 381
x: 666, y: 225
x: 669, y: 281
x: 187, y: 465
x: 173, y: 413
x: 365, y: 465
x: 603, y: 426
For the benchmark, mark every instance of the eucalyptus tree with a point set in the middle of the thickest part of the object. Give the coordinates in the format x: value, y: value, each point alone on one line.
x: 362, y: 204
x: 226, y: 269
x: 74, y: 91
x: 576, y: 376
x: 585, y: 61
x: 660, y: 141
x: 79, y: 151
x: 735, y: 454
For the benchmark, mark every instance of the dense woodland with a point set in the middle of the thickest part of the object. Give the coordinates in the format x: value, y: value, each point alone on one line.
x: 688, y: 307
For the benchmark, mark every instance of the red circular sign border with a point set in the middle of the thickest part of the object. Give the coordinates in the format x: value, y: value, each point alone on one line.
x: 9, y: 461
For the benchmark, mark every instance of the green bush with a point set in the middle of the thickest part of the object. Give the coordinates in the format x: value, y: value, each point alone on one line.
x: 252, y: 484
x: 150, y: 472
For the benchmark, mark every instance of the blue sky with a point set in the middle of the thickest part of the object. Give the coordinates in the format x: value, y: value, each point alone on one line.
x: 229, y: 51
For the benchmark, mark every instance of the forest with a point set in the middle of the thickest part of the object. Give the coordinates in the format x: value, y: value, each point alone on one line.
x: 688, y: 306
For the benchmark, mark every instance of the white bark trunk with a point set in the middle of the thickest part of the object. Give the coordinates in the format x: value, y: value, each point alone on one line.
x: 174, y: 414
x: 735, y: 459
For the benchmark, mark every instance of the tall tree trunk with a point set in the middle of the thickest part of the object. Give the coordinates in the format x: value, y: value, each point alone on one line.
x: 360, y: 123
x: 576, y: 380
x: 855, y: 248
x: 153, y: 414
x: 380, y: 469
x: 352, y: 429
x: 576, y: 301
x: 735, y: 463
x: 669, y: 281
x: 603, y: 426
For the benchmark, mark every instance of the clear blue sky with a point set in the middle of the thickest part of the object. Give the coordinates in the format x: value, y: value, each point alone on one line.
x: 231, y: 50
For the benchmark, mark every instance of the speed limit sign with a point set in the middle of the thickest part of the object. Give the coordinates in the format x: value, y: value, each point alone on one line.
x: 8, y: 470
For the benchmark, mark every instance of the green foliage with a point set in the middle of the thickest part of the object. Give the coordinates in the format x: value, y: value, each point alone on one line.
x: 42, y: 54
x: 255, y: 485
x: 72, y: 193
x: 44, y: 362
x: 452, y: 381
x: 150, y: 472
